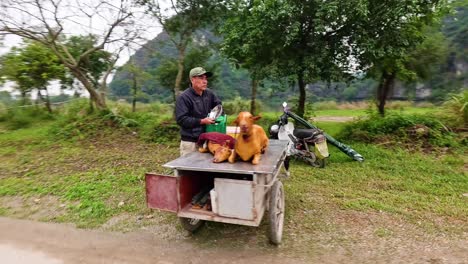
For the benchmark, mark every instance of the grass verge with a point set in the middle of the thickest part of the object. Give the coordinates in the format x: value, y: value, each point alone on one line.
x: 93, y: 181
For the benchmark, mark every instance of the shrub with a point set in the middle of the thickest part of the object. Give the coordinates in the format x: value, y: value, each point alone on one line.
x: 77, y: 127
x: 238, y: 105
x: 455, y: 110
x: 76, y: 109
x: 157, y: 128
x: 267, y: 120
x: 3, y: 109
x: 398, y: 105
x: 424, y: 104
x: 160, y: 108
x: 152, y: 123
x: 353, y: 105
x: 77, y: 121
x: 125, y: 107
x: 166, y: 131
x: 19, y: 117
x: 395, y: 127
x: 120, y: 120
x: 325, y: 105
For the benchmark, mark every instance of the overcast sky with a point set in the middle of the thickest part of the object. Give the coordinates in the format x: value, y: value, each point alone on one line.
x: 8, y: 42
x: 82, y: 17
x: 80, y: 22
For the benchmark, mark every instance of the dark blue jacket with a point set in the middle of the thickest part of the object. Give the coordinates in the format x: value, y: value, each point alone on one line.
x: 190, y: 109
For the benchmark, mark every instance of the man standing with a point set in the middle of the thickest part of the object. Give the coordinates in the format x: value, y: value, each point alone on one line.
x: 192, y: 109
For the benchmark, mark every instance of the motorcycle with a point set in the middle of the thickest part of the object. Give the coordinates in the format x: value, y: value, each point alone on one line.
x: 309, y: 145
x: 301, y: 140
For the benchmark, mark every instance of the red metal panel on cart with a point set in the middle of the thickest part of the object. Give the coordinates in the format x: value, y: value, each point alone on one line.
x: 161, y: 192
x: 187, y: 189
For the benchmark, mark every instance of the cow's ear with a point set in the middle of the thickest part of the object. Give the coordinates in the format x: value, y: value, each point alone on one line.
x: 255, y: 118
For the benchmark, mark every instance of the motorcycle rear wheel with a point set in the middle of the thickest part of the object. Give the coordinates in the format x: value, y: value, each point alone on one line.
x: 320, y: 163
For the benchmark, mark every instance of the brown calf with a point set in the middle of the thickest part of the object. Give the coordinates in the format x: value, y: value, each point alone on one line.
x: 220, y: 145
x: 252, y: 140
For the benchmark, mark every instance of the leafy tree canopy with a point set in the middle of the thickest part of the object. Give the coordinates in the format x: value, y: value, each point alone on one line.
x: 308, y: 40
x: 456, y: 28
x: 31, y: 66
x: 95, y: 63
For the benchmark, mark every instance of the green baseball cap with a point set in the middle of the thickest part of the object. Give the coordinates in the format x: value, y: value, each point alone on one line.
x: 198, y: 71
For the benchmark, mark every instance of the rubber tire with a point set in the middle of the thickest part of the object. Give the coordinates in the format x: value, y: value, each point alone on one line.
x: 318, y: 163
x: 276, y: 213
x: 321, y: 162
x: 189, y: 225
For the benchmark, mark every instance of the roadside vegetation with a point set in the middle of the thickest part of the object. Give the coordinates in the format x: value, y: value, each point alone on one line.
x: 88, y: 169
x: 82, y: 161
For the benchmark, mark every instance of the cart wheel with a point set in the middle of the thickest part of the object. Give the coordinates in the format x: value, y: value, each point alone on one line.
x: 191, y: 224
x: 276, y: 212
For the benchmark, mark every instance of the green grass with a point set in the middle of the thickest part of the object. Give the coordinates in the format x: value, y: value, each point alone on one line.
x: 33, y: 134
x: 416, y: 110
x: 3, y: 211
x: 331, y: 128
x: 90, y: 179
x: 341, y: 112
x: 100, y: 177
x: 364, y: 112
x: 415, y: 187
x: 91, y: 197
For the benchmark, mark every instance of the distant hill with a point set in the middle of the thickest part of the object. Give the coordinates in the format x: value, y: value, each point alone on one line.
x: 231, y: 82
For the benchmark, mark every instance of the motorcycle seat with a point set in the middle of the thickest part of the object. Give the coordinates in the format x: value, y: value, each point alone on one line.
x: 307, y: 133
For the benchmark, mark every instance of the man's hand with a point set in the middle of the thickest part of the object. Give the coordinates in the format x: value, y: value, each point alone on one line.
x: 207, y: 121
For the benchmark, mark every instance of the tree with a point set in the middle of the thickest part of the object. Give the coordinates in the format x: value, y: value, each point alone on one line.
x: 240, y: 45
x: 196, y: 56
x: 98, y: 65
x: 426, y: 60
x: 10, y: 70
x: 456, y: 28
x: 137, y: 77
x: 47, y: 21
x: 180, y: 21
x: 453, y: 74
x: 387, y: 36
x: 5, y: 98
x: 32, y: 67
x: 308, y: 40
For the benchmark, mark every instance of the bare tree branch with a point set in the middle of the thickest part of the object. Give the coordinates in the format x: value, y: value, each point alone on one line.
x: 50, y: 21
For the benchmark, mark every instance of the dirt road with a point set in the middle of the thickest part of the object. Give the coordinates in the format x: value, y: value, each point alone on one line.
x: 24, y: 241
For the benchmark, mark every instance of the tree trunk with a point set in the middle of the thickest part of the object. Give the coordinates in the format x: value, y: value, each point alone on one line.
x: 103, y: 85
x: 48, y: 105
x: 91, y: 105
x: 253, y: 108
x: 385, y: 86
x: 180, y: 72
x: 46, y: 100
x: 302, y: 94
x: 134, y: 92
x: 23, y: 97
x: 97, y: 98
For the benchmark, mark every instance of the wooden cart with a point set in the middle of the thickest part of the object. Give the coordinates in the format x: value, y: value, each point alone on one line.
x: 240, y: 192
